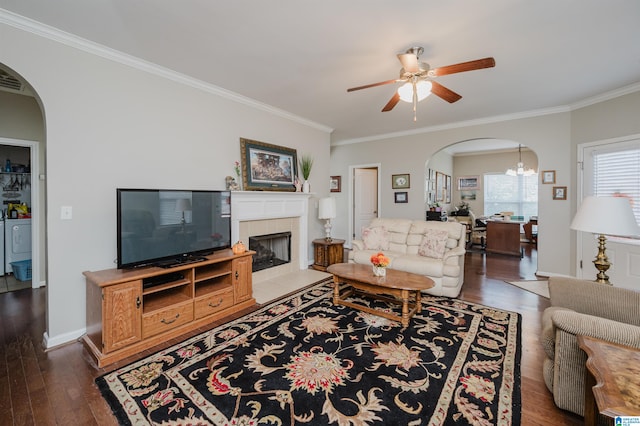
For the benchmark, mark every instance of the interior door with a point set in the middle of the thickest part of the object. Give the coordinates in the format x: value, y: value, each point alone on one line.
x: 622, y: 253
x: 365, y: 198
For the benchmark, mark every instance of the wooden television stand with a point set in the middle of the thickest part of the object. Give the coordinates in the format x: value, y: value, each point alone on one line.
x: 131, y: 310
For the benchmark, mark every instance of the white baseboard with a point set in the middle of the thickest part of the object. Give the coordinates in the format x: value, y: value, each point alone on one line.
x: 552, y: 274
x: 51, y: 342
x: 42, y: 284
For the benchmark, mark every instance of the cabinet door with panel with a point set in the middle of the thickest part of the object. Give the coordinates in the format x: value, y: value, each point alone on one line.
x: 242, y: 278
x: 327, y: 252
x: 122, y: 324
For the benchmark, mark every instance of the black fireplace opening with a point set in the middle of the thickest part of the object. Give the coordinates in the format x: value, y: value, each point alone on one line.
x: 271, y: 250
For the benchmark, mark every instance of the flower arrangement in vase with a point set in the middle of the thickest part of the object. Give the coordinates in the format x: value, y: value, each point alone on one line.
x: 379, y: 262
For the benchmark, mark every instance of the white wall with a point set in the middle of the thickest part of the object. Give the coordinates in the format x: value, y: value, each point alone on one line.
x: 112, y: 125
x: 548, y: 136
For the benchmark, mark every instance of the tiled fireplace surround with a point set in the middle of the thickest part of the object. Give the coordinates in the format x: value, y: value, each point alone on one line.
x: 268, y: 212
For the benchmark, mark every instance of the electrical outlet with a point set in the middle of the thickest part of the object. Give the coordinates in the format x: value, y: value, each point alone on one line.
x: 66, y: 212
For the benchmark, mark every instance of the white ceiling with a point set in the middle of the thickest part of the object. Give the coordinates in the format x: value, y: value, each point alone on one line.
x: 300, y: 56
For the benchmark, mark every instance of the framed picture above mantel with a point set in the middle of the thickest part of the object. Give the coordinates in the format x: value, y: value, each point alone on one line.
x: 268, y: 167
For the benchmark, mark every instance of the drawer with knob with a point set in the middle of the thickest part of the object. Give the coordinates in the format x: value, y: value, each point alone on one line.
x: 166, y: 319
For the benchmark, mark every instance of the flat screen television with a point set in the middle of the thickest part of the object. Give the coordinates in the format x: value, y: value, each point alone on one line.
x: 170, y: 227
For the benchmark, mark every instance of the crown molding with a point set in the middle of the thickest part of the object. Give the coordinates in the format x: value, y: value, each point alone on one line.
x: 456, y: 125
x: 626, y: 90
x: 71, y: 40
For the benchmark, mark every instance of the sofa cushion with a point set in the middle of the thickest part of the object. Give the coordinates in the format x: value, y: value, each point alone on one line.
x: 397, y: 229
x: 434, y: 243
x: 375, y: 238
x: 416, y: 264
x: 419, y: 227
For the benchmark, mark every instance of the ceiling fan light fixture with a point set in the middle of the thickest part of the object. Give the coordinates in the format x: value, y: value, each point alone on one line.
x: 423, y: 89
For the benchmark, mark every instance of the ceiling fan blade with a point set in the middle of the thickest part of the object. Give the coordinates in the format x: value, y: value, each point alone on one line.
x: 409, y: 62
x: 444, y: 93
x: 366, y: 86
x: 464, y: 66
x: 392, y: 102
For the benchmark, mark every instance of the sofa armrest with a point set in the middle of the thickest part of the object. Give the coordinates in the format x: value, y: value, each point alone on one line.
x: 357, y: 245
x: 548, y: 334
x: 456, y: 251
x: 576, y: 323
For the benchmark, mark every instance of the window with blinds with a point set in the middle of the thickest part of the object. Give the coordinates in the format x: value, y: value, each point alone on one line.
x: 518, y: 194
x: 617, y: 173
x: 171, y: 212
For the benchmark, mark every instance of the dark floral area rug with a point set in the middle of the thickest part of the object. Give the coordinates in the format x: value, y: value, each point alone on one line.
x: 304, y: 361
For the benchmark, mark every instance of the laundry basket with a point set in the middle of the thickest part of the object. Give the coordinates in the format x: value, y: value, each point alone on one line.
x: 22, y: 270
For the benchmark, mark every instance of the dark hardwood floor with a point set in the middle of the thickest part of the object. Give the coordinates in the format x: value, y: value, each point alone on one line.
x: 57, y: 387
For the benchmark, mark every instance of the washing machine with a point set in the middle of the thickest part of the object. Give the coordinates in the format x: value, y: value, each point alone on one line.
x: 17, y: 237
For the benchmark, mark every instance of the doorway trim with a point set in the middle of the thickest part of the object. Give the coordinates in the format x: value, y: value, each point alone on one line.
x: 351, y: 194
x: 583, y: 182
x: 34, y: 153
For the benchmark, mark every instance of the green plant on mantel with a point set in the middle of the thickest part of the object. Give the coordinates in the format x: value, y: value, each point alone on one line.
x: 306, y: 162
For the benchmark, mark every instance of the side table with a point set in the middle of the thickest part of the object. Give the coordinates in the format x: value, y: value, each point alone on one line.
x: 327, y: 252
x: 612, y: 380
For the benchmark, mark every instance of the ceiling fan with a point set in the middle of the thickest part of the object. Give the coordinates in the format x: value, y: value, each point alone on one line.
x: 419, y: 80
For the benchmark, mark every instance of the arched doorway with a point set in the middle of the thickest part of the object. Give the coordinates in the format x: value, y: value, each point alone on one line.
x: 485, y: 161
x: 22, y: 126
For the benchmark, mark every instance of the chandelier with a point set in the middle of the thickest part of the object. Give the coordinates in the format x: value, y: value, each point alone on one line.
x: 520, y: 169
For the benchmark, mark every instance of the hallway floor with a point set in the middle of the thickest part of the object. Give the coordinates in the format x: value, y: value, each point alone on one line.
x: 10, y: 283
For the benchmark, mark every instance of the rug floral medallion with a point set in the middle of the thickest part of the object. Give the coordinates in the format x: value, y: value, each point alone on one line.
x: 304, y: 361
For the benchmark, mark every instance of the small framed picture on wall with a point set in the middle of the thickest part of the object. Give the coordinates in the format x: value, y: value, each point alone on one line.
x: 559, y: 192
x: 548, y: 176
x: 335, y: 183
x: 401, y: 197
x: 466, y: 183
x: 400, y: 181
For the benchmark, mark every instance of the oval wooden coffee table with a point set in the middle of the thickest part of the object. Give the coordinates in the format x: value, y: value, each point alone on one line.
x: 405, y: 288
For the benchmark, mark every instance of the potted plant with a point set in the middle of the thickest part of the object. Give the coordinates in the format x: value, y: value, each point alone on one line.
x: 463, y: 208
x: 306, y: 162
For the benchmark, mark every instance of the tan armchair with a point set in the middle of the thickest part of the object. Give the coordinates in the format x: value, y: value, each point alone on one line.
x: 587, y: 308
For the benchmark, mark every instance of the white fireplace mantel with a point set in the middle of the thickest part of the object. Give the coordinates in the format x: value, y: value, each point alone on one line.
x: 260, y: 205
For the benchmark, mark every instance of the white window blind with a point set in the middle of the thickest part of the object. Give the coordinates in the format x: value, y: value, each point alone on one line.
x: 517, y: 194
x: 170, y: 214
x: 617, y: 173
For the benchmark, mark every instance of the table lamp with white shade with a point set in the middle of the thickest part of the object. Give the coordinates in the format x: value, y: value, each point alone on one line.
x: 327, y: 211
x: 183, y: 205
x: 605, y: 216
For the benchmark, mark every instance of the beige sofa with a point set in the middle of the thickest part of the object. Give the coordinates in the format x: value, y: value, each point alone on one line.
x: 587, y: 308
x: 406, y: 240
